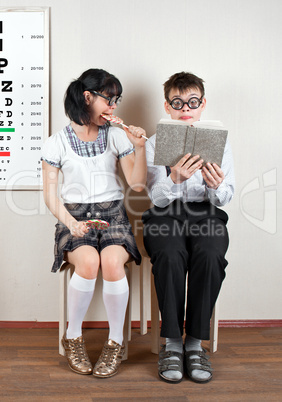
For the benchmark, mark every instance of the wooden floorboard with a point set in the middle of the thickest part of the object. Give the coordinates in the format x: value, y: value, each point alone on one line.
x: 247, y: 367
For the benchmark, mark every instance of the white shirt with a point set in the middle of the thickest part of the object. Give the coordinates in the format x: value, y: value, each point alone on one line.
x: 162, y: 190
x: 88, y: 179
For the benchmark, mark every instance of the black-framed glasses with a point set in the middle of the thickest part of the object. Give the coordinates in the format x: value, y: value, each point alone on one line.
x: 193, y: 103
x: 114, y: 99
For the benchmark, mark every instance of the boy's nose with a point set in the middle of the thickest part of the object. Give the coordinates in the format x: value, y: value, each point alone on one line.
x: 185, y: 108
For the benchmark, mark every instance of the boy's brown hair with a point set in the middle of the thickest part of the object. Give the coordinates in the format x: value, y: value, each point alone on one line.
x: 183, y: 81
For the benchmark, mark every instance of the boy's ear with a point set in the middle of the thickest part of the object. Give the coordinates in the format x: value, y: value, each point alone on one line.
x: 166, y: 106
x: 203, y: 105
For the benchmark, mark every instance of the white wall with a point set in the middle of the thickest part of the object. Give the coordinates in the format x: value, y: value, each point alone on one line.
x: 236, y: 47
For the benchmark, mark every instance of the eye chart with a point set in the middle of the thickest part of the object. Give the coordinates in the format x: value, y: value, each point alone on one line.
x: 24, y: 95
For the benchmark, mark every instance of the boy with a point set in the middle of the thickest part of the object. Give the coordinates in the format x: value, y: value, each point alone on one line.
x: 184, y: 233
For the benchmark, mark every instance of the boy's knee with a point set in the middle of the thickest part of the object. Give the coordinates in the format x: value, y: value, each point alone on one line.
x: 211, y: 262
x: 169, y: 262
x: 211, y: 253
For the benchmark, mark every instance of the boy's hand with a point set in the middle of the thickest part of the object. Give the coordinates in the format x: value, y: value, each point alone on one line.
x: 185, y: 168
x: 213, y: 175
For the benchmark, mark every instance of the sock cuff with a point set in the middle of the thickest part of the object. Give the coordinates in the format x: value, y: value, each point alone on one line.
x: 190, y: 338
x: 116, y: 287
x: 174, y: 344
x: 82, y: 284
x: 192, y: 343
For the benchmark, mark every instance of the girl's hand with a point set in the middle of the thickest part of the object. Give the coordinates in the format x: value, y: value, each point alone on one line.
x: 185, y: 168
x: 134, y: 134
x: 78, y: 229
x: 213, y: 175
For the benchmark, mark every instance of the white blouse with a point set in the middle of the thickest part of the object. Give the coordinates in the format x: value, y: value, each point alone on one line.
x: 88, y: 179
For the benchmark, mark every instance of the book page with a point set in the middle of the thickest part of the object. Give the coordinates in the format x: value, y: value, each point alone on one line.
x: 170, y: 142
x: 209, y: 144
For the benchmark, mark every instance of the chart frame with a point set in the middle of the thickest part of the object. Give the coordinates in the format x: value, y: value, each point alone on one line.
x: 27, y: 177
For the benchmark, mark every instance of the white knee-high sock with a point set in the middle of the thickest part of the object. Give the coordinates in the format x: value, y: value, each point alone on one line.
x: 80, y: 293
x: 115, y: 296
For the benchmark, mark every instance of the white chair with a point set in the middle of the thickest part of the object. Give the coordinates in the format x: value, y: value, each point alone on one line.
x: 66, y: 272
x: 147, y: 282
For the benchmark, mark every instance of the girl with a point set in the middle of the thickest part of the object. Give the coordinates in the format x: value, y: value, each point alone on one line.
x: 87, y: 152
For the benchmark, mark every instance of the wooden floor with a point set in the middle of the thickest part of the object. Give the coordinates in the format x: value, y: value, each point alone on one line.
x: 247, y: 367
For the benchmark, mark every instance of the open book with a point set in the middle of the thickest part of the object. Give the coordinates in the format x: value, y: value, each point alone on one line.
x: 175, y: 138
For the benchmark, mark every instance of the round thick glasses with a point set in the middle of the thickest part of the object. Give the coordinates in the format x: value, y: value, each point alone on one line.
x: 178, y: 103
x: 114, y: 99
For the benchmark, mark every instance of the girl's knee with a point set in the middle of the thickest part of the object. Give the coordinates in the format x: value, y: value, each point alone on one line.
x: 87, y: 267
x: 112, y: 267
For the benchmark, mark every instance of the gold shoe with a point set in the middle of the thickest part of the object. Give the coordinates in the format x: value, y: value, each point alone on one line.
x: 109, y: 360
x: 76, y: 355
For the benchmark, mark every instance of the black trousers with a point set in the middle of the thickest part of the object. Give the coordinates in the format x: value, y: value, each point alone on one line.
x: 186, y: 238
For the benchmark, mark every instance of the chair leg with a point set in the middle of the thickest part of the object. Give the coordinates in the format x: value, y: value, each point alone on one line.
x: 214, y: 330
x: 145, y: 278
x: 143, y: 304
x: 155, y: 319
x: 125, y: 334
x: 66, y: 270
x: 62, y: 308
x: 127, y: 321
x: 130, y: 283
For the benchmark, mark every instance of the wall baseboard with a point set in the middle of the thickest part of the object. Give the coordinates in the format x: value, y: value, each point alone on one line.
x: 136, y: 324
x: 249, y: 323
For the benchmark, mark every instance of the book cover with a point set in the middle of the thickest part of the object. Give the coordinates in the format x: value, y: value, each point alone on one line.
x: 174, y: 139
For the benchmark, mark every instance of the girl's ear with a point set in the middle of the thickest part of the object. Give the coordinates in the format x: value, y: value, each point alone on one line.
x: 166, y: 107
x: 87, y: 97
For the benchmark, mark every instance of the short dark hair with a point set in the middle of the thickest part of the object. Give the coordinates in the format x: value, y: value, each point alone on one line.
x: 93, y: 79
x: 183, y: 81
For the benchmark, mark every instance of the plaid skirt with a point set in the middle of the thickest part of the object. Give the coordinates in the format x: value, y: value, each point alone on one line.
x: 118, y: 233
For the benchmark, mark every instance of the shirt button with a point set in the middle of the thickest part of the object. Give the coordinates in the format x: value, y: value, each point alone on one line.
x: 98, y: 215
x: 88, y: 214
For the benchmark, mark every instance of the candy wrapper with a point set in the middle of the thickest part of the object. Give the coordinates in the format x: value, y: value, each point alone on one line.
x: 117, y: 120
x: 113, y: 119
x: 97, y: 224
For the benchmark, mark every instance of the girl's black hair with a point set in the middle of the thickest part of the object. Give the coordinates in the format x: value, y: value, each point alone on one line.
x: 93, y: 79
